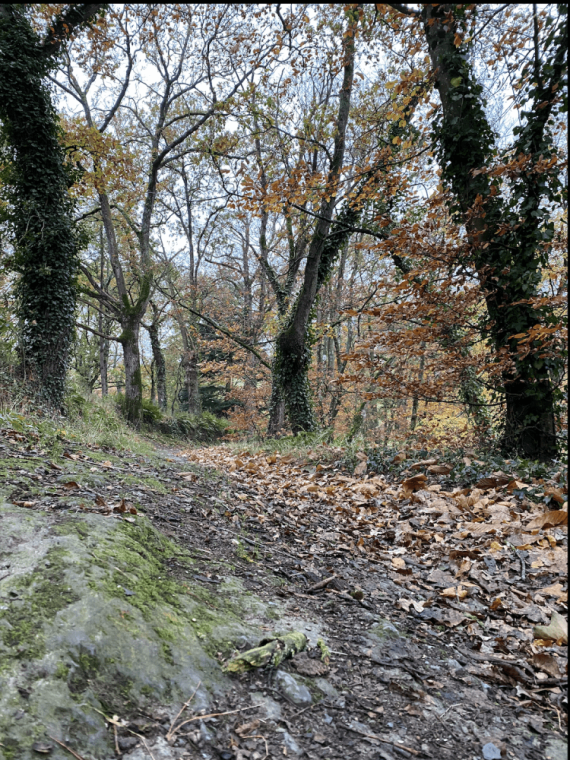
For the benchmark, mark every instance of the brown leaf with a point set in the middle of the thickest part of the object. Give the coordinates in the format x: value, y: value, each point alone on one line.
x: 423, y: 463
x: 55, y: 466
x: 549, y: 520
x: 100, y: 501
x: 556, y: 630
x: 106, y: 464
x: 555, y: 590
x: 67, y: 455
x: 399, y: 457
x: 71, y: 485
x: 496, y: 481
x: 122, y: 507
x: 454, y: 592
x: 247, y: 728
x: 555, y: 493
x: 361, y: 468
x: 414, y: 483
x: 440, y: 469
x: 398, y: 563
x: 547, y: 663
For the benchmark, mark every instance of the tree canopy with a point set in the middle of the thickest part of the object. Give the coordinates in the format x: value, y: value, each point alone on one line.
x: 349, y: 218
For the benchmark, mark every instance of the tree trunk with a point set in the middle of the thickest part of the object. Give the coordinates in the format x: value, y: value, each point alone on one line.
x: 37, y: 181
x: 415, y: 402
x: 159, y: 365
x: 192, y: 380
x: 293, y: 349
x: 508, y: 280
x: 276, y: 410
x: 129, y: 340
x: 152, y: 383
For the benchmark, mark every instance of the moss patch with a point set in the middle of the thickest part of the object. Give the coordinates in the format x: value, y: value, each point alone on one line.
x: 92, y: 618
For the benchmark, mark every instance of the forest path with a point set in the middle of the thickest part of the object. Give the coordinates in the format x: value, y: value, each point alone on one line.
x: 414, y: 670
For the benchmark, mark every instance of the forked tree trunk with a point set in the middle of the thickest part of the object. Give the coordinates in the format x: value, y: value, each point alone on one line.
x: 293, y: 348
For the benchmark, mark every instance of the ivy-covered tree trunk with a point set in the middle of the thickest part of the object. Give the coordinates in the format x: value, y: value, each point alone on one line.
x: 44, y: 242
x: 276, y: 409
x: 293, y: 345
x: 36, y: 187
x: 508, y: 264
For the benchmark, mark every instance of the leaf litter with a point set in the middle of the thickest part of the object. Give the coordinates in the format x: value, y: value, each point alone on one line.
x: 479, y: 562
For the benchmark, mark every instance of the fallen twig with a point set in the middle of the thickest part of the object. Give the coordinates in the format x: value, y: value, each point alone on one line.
x: 384, y: 741
x: 320, y: 584
x: 61, y: 744
x: 172, y: 731
x: 216, y: 715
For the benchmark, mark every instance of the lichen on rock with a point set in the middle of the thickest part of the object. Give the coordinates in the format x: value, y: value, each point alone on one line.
x: 92, y: 622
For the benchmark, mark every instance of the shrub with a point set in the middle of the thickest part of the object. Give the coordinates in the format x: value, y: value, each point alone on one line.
x: 151, y: 414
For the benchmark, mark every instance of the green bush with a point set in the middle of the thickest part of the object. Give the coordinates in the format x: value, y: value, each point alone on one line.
x: 151, y: 414
x: 204, y: 427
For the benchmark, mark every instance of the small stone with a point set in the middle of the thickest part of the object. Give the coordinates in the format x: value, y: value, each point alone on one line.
x: 327, y: 688
x: 491, y: 751
x: 290, y: 743
x: 293, y: 691
x: 42, y: 747
x: 127, y: 742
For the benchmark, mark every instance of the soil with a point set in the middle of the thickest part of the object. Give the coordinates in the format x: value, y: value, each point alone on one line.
x: 394, y: 686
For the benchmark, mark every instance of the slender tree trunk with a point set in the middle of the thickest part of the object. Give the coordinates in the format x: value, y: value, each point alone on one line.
x: 415, y: 402
x: 293, y: 350
x: 152, y: 383
x: 159, y: 365
x: 192, y: 380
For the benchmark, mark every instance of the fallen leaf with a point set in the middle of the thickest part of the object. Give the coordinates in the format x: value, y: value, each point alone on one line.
x: 547, y: 663
x: 454, y: 592
x: 100, y: 501
x: 414, y: 483
x: 423, y: 463
x: 555, y: 590
x: 121, y: 507
x: 55, y: 466
x: 496, y: 481
x: 361, y: 469
x: 440, y: 469
x: 398, y: 563
x: 557, y: 494
x: 549, y: 520
x: 399, y: 458
x: 42, y: 747
x: 247, y: 728
x: 71, y: 484
x: 106, y: 464
x: 556, y: 630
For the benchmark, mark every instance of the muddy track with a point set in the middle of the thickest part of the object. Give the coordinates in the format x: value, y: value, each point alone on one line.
x: 393, y: 688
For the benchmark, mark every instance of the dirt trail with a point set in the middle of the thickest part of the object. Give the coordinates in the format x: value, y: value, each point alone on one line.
x: 398, y: 682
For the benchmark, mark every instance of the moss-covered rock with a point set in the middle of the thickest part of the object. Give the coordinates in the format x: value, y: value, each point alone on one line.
x: 92, y: 622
